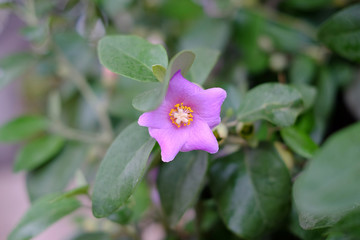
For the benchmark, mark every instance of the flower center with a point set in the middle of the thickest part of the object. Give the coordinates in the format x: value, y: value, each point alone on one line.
x: 181, y: 115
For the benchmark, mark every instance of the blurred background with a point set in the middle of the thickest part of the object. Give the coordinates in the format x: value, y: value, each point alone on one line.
x: 45, y: 45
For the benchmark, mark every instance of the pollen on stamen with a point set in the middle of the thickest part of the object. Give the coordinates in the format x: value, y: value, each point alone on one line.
x: 181, y: 115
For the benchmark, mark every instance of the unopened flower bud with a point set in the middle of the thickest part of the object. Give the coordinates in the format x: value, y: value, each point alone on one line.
x: 245, y: 130
x: 221, y: 132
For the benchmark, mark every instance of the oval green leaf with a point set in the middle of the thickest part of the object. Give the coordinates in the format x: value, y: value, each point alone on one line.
x: 43, y: 213
x: 37, y: 152
x: 329, y: 186
x: 341, y: 33
x: 131, y: 56
x: 151, y: 99
x: 121, y: 169
x: 252, y: 192
x: 159, y: 72
x: 277, y: 103
x: 22, y: 128
x: 299, y: 142
x: 179, y: 183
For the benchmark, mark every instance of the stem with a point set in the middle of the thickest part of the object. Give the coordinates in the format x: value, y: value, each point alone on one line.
x: 76, y: 135
x: 83, y: 86
x: 232, y: 123
x: 237, y: 140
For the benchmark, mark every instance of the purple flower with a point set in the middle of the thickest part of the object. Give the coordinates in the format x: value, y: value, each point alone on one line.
x: 184, y: 120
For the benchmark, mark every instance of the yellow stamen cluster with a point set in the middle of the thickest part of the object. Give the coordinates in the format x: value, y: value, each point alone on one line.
x: 181, y: 115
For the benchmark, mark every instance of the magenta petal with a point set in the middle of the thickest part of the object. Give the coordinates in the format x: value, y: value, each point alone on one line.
x: 170, y: 140
x: 158, y: 118
x: 207, y: 104
x: 200, y: 138
x: 180, y: 88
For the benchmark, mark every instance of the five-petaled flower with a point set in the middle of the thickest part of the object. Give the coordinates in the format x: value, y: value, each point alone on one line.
x: 184, y: 120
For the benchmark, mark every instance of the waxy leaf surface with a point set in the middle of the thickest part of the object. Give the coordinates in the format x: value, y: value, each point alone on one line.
x: 121, y: 169
x: 329, y: 187
x: 252, y: 192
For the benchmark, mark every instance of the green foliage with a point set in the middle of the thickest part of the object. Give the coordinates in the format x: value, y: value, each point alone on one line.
x: 327, y: 189
x: 205, y: 60
x: 131, y: 56
x: 302, y: 70
x: 252, y: 191
x: 38, y: 152
x: 341, y: 33
x: 180, y: 182
x: 290, y: 71
x: 307, y: 5
x: 206, y: 33
x: 299, y: 141
x: 346, y: 228
x: 22, y: 128
x: 42, y: 214
x: 92, y: 236
x: 151, y: 99
x: 159, y: 72
x: 121, y: 170
x: 55, y: 175
x: 276, y: 103
x: 13, y: 66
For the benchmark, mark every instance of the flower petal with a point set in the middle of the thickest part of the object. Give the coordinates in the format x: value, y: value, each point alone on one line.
x: 180, y: 89
x: 170, y: 140
x: 158, y: 118
x: 200, y: 138
x: 207, y: 104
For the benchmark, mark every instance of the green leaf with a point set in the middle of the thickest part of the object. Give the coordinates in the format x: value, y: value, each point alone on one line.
x: 131, y: 56
x: 135, y: 208
x: 92, y: 236
x: 206, y: 33
x: 37, y: 152
x: 159, y: 72
x: 295, y: 228
x: 151, y: 99
x: 285, y: 37
x: 307, y: 5
x: 324, y: 103
x: 181, y: 10
x: 22, y: 128
x: 43, y: 213
x: 347, y: 228
x: 248, y: 29
x: 328, y: 188
x: 13, y: 66
x: 76, y: 50
x: 180, y: 182
x: 205, y: 61
x: 308, y: 94
x: 55, y: 175
x: 252, y: 192
x: 341, y: 33
x: 299, y: 142
x: 302, y: 70
x: 277, y: 103
x: 121, y: 169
